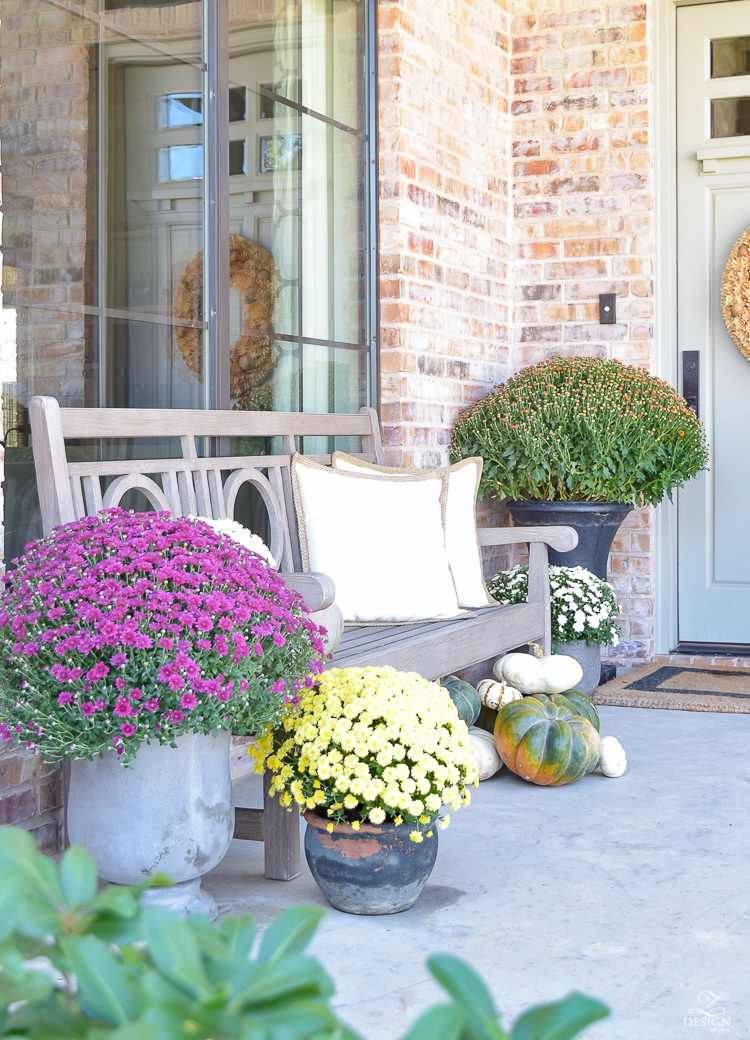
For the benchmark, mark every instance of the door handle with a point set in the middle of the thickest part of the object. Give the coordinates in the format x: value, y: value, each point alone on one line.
x: 691, y: 378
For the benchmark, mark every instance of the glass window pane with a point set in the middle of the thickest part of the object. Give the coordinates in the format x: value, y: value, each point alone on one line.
x: 730, y: 117
x: 237, y: 104
x: 730, y: 57
x: 152, y: 365
x: 155, y: 190
x: 331, y: 45
x: 332, y: 233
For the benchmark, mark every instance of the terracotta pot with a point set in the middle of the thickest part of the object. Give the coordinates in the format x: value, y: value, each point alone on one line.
x: 375, y: 870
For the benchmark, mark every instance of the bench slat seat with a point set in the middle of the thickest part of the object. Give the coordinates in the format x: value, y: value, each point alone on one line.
x: 440, y: 647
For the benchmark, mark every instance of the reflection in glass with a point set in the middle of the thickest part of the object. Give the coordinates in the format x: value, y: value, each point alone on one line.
x: 236, y: 158
x: 180, y: 110
x: 281, y: 152
x: 237, y: 104
x: 103, y: 289
x: 730, y: 117
x: 730, y: 57
x: 332, y: 233
x: 180, y: 162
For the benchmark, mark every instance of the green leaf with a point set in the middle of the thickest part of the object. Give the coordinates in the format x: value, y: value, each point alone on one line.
x: 174, y: 949
x: 239, y: 933
x: 12, y: 891
x: 103, y: 988
x: 33, y: 986
x: 445, y: 1022
x: 132, y: 1031
x: 469, y: 992
x: 116, y: 900
x: 18, y: 854
x: 290, y: 932
x: 303, y: 1018
x: 294, y: 976
x: 561, y: 1021
x: 78, y: 876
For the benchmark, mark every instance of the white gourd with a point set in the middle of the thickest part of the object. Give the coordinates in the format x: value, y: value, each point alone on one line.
x: 554, y: 674
x: 495, y: 695
x: 612, y: 760
x: 485, y: 753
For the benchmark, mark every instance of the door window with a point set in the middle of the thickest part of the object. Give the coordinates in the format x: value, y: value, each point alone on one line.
x: 142, y: 269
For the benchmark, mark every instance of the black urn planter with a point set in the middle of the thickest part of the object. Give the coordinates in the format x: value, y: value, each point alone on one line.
x: 596, y: 523
x: 375, y: 870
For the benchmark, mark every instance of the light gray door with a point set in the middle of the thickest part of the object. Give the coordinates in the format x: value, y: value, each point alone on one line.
x: 713, y: 205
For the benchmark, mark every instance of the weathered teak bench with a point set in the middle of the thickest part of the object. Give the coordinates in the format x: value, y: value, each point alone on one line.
x: 208, y: 486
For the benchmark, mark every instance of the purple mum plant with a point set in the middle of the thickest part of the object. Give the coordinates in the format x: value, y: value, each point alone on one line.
x: 127, y: 627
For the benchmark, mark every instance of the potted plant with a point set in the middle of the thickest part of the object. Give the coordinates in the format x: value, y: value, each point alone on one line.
x: 583, y: 613
x: 82, y: 963
x: 371, y: 755
x: 142, y: 641
x: 581, y: 441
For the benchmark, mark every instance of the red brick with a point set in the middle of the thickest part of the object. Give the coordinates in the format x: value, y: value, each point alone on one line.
x: 17, y: 807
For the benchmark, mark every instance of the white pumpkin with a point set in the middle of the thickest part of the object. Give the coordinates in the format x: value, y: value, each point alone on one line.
x: 612, y: 760
x: 485, y: 753
x: 554, y: 674
x: 496, y: 695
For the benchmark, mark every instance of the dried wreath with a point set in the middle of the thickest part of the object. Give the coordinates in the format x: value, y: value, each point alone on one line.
x: 251, y: 356
x: 735, y: 293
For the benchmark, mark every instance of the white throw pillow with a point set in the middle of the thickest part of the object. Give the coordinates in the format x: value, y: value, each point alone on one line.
x: 381, y: 541
x: 461, y: 541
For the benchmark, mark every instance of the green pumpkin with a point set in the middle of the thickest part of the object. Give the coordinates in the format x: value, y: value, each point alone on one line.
x: 546, y: 743
x: 576, y: 702
x: 464, y: 696
x: 486, y: 719
x: 583, y: 705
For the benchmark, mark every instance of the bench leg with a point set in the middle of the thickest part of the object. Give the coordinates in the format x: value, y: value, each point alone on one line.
x: 280, y: 836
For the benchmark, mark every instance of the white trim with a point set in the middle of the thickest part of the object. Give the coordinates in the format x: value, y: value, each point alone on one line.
x: 665, y: 295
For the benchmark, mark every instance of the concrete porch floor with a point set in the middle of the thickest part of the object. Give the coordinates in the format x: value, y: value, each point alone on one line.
x: 634, y: 890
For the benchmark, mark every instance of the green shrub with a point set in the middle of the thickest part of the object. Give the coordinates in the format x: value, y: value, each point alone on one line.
x: 582, y: 429
x: 78, y: 963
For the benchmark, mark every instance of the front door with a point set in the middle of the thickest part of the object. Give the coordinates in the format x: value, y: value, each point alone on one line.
x: 713, y: 209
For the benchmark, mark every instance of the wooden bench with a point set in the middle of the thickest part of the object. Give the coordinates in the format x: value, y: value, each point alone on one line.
x: 205, y: 481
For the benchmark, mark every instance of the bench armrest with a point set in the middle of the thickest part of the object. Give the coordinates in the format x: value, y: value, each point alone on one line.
x: 317, y: 590
x: 563, y: 539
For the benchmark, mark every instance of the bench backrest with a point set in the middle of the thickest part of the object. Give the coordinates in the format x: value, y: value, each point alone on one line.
x: 191, y: 484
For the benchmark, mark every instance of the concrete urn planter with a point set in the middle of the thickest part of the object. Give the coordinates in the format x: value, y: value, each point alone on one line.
x: 171, y: 810
x: 589, y: 658
x: 375, y: 870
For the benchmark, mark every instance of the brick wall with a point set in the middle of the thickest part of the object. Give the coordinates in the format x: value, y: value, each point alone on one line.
x: 31, y: 796
x: 445, y: 278
x: 582, y: 217
x: 515, y: 188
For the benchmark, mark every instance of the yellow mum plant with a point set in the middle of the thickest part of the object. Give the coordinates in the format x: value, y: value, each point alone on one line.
x: 371, y: 744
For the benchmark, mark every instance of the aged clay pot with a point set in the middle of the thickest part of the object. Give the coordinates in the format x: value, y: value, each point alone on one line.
x: 375, y: 870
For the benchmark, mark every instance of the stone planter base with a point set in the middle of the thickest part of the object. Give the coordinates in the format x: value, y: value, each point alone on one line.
x: 171, y: 811
x: 589, y: 658
x: 376, y: 870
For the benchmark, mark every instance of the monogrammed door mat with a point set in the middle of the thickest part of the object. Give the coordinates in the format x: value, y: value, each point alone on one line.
x: 700, y: 685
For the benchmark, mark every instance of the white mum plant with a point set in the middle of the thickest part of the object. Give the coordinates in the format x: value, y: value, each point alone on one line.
x: 239, y: 533
x: 583, y: 606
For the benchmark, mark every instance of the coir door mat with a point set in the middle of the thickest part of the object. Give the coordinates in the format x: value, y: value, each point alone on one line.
x: 695, y: 686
